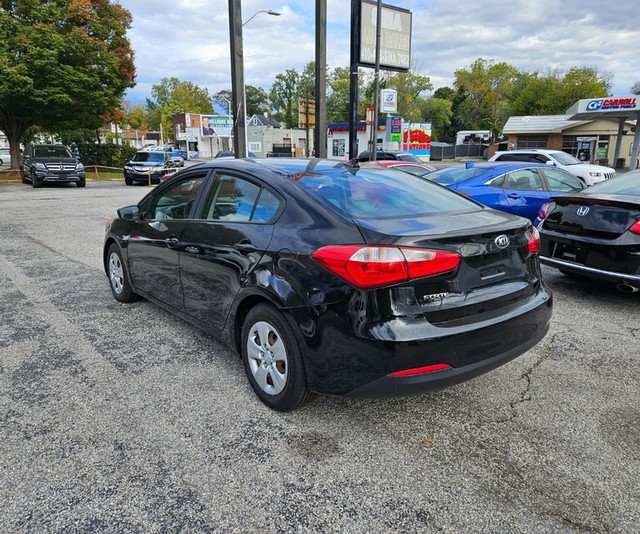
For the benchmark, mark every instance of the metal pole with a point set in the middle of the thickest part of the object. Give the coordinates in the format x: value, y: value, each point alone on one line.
x: 320, y: 134
x: 616, y: 153
x: 373, y: 144
x: 237, y: 79
x: 636, y: 146
x: 353, y: 78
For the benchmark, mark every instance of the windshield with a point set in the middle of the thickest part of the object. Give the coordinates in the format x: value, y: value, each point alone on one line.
x: 565, y: 159
x: 453, y: 175
x: 51, y: 152
x: 625, y: 184
x: 152, y: 157
x: 408, y: 157
x: 372, y: 193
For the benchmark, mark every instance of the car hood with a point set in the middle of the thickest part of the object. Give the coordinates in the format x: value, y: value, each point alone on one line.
x: 587, y: 167
x: 146, y: 163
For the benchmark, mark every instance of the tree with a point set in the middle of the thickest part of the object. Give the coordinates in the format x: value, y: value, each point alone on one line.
x: 284, y: 97
x: 257, y: 100
x: 171, y: 96
x: 338, y: 97
x: 489, y: 86
x: 437, y: 111
x: 63, y: 65
x: 635, y: 89
x: 410, y: 86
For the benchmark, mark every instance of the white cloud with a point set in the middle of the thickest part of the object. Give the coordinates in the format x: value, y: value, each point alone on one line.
x: 189, y: 39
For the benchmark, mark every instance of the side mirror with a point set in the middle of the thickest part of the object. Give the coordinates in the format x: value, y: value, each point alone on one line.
x: 129, y: 213
x: 550, y: 162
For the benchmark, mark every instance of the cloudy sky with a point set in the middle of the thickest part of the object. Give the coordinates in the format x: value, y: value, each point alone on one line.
x: 189, y: 39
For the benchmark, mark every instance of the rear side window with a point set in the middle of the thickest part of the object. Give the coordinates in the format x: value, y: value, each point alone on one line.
x: 369, y: 193
x: 562, y: 181
x: 523, y: 180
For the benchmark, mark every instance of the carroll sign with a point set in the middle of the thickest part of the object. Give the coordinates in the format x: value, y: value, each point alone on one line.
x: 602, y: 104
x: 395, y: 36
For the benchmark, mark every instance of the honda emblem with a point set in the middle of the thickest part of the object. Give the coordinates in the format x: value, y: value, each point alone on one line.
x: 583, y: 210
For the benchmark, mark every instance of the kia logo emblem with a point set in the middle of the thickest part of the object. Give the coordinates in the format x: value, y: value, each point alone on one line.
x: 502, y: 241
x: 583, y: 210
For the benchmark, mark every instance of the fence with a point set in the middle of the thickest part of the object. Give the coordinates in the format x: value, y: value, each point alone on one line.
x: 468, y: 150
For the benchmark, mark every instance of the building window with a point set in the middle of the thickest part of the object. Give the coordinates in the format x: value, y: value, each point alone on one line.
x: 255, y: 147
x: 570, y: 144
x: 532, y: 141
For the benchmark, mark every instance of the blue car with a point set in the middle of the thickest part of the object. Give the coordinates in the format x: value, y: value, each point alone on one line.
x: 517, y: 188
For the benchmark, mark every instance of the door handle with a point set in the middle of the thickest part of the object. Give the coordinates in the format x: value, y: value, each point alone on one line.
x: 245, y: 244
x: 513, y: 195
x: 172, y: 241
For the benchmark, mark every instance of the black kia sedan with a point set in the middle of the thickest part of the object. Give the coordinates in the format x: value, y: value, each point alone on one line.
x: 329, y: 278
x: 596, y: 233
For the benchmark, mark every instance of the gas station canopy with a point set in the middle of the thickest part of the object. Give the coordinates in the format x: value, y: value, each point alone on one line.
x: 621, y: 108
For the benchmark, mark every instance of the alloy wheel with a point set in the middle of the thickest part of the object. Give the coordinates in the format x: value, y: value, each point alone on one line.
x: 116, y: 274
x: 267, y: 357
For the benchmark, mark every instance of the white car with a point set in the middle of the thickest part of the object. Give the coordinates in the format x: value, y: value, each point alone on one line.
x: 5, y: 156
x: 590, y: 174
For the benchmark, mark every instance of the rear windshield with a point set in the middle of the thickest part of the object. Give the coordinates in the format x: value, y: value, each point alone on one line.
x: 453, y: 175
x: 373, y: 193
x: 625, y: 184
x: 51, y: 152
x: 149, y: 156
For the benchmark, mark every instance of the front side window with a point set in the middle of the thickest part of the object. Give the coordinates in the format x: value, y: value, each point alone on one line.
x: 565, y: 159
x: 176, y: 201
x: 523, y: 180
x: 235, y: 199
x: 562, y: 181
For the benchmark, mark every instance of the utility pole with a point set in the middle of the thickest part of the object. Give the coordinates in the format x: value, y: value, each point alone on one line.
x: 320, y: 137
x: 237, y: 79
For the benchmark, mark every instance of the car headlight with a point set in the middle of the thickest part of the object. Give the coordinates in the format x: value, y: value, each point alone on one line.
x: 79, y: 167
x: 595, y: 174
x: 40, y: 166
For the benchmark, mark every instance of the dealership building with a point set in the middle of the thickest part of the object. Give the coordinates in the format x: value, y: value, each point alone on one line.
x: 601, y: 130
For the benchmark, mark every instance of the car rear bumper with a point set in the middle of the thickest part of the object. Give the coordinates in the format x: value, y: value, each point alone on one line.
x: 341, y: 362
x: 593, y: 272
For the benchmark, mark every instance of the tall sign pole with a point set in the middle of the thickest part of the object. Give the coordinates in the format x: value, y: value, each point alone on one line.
x: 353, y: 78
x: 373, y: 143
x: 320, y: 134
x: 237, y: 79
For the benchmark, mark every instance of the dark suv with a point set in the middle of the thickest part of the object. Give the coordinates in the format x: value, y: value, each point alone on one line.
x: 147, y: 166
x: 43, y: 164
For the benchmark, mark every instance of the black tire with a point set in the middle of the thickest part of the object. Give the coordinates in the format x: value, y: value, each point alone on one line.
x: 24, y: 180
x: 81, y: 184
x: 34, y: 181
x: 118, y: 276
x: 274, y: 366
x: 128, y: 181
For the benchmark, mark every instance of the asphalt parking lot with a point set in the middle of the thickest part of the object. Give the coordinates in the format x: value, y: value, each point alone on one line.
x: 121, y: 418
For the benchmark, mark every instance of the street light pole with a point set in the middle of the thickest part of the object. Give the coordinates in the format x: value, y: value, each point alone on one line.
x: 237, y: 75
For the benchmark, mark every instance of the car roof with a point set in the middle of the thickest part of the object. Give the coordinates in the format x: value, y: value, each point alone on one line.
x: 500, y: 166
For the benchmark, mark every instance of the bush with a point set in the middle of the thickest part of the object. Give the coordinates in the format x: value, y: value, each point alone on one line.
x: 106, y: 155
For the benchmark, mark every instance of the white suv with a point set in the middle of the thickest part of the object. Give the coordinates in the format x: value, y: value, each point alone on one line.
x: 590, y: 174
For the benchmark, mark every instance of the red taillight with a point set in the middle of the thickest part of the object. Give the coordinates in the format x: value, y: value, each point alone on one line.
x: 635, y: 227
x: 534, y: 241
x: 368, y: 267
x: 421, y: 370
x: 544, y: 211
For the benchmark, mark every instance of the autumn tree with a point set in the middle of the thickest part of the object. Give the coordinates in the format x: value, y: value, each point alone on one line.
x: 63, y: 65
